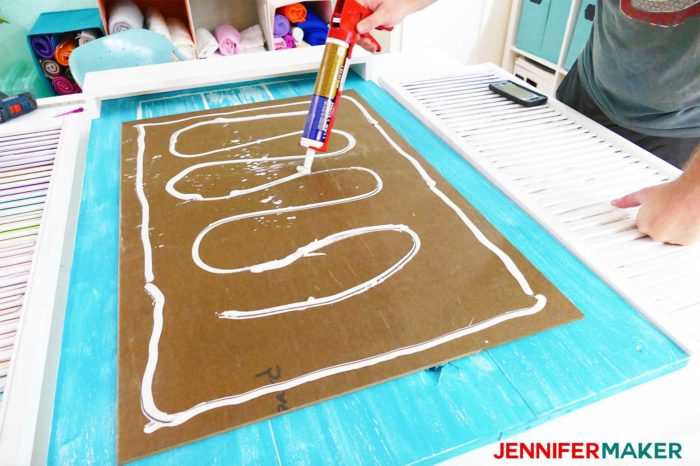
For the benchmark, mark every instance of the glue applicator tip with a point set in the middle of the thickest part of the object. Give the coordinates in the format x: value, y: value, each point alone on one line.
x: 308, y: 160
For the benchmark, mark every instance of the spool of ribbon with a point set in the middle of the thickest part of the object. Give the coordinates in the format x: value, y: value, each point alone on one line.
x: 51, y: 68
x: 64, y: 86
x: 281, y: 26
x: 44, y: 45
x: 295, y: 13
x: 63, y: 51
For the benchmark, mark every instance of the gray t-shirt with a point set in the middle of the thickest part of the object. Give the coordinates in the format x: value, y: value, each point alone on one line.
x: 645, y: 76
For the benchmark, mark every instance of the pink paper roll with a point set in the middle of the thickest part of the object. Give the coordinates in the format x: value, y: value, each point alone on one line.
x: 279, y: 43
x: 289, y: 41
x: 229, y: 39
x: 64, y: 86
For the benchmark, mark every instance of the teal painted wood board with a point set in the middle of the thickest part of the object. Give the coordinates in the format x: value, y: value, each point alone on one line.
x: 421, y: 418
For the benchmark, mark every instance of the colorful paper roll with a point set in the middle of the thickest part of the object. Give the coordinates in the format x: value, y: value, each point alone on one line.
x: 289, y: 41
x: 315, y: 29
x: 63, y: 51
x: 125, y: 15
x: 51, y: 68
x: 181, y: 38
x: 87, y: 35
x: 156, y: 22
x: 206, y: 43
x: 44, y: 45
x: 229, y: 39
x: 281, y: 26
x: 297, y: 33
x: 295, y: 13
x: 279, y: 43
x: 252, y: 38
x: 64, y: 86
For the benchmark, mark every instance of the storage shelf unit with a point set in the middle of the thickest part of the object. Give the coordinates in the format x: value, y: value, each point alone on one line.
x: 550, y: 33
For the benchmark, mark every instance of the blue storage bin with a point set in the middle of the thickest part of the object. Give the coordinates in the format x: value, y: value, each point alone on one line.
x: 582, y: 31
x: 533, y: 20
x: 62, y: 23
x: 541, y: 27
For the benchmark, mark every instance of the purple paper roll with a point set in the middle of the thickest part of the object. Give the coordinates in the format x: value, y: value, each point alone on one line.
x: 281, y: 25
x: 64, y: 86
x: 44, y: 45
x: 289, y: 41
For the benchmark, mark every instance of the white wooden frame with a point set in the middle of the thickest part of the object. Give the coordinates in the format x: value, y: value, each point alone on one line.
x: 390, y: 79
x: 25, y: 416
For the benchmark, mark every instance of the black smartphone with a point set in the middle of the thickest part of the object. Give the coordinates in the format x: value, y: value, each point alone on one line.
x: 518, y: 93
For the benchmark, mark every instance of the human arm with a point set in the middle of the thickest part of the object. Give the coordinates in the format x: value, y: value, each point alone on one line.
x: 387, y: 13
x: 670, y: 212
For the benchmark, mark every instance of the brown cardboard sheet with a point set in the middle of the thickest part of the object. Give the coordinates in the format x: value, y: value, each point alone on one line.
x: 247, y: 288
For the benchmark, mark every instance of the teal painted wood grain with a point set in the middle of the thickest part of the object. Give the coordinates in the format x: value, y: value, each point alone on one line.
x: 421, y: 418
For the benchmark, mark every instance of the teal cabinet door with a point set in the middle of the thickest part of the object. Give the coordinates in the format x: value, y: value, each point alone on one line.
x: 541, y: 27
x: 584, y: 24
x: 533, y: 20
x: 553, y: 37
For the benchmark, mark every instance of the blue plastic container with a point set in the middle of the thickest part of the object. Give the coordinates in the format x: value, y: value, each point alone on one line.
x: 135, y: 47
x: 59, y: 22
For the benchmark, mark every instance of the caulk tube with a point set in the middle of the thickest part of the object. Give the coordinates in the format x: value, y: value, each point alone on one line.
x: 326, y: 96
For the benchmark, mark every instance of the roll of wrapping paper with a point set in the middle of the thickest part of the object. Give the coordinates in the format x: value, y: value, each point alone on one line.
x: 63, y: 51
x: 64, y: 86
x: 295, y: 13
x: 281, y: 26
x: 51, y: 68
x: 44, y: 45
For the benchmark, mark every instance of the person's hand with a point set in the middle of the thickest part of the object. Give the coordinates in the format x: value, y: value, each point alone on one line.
x: 387, y: 13
x: 669, y: 212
